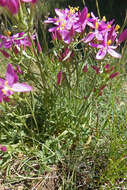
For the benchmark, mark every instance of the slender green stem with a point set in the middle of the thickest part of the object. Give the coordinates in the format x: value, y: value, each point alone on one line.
x: 124, y: 24
x: 38, y: 63
x: 83, y: 1
x: 98, y: 10
x: 32, y: 112
x: 84, y: 103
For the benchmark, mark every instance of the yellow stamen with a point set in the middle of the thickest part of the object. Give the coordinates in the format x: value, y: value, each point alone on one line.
x: 9, y: 33
x: 88, y: 15
x: 109, y: 42
x: 6, y: 88
x: 5, y: 83
x: 96, y: 25
x: 76, y: 8
x: 62, y: 25
x: 73, y: 9
x: 104, y: 19
x: 117, y: 27
x: 4, y: 91
x: 108, y: 26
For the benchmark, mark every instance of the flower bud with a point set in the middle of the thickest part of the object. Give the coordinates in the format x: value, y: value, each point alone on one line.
x: 13, y: 6
x: 85, y: 69
x: 39, y: 47
x: 113, y: 75
x: 123, y: 36
x: 5, y: 54
x: 59, y: 77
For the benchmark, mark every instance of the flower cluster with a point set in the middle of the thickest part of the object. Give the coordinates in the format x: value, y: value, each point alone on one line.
x: 102, y: 35
x: 10, y: 84
x: 68, y: 23
x: 15, y: 41
x: 13, y: 5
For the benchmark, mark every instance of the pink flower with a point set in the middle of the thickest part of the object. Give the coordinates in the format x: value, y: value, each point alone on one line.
x: 68, y: 22
x: 11, y: 84
x: 83, y: 20
x: 19, y: 39
x: 106, y: 47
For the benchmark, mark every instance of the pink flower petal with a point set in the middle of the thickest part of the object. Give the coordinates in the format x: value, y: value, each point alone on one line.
x: 29, y: 1
x: 1, y: 96
x: 11, y: 76
x: 114, y: 53
x: 53, y: 29
x: 89, y: 37
x: 101, y: 54
x: 66, y: 35
x: 2, y: 3
x: 58, y: 12
x: 21, y: 87
x: 13, y: 6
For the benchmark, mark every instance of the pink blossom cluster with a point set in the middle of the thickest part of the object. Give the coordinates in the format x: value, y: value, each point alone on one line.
x: 69, y: 22
x: 16, y: 41
x: 13, y: 5
x: 10, y: 84
x: 102, y: 35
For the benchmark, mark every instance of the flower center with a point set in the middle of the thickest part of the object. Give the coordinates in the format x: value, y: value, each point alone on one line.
x: 88, y: 15
x: 104, y: 19
x: 73, y: 9
x: 109, y: 42
x: 96, y: 25
x: 117, y: 27
x: 6, y: 88
x: 108, y: 26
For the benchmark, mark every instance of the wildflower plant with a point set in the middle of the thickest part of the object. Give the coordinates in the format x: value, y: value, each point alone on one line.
x: 54, y: 92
